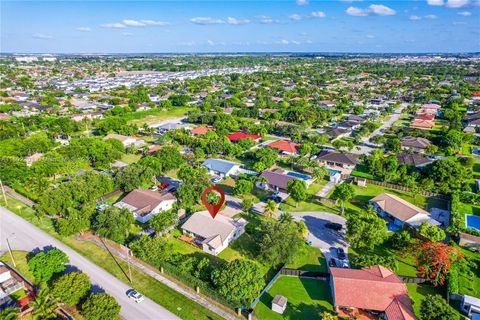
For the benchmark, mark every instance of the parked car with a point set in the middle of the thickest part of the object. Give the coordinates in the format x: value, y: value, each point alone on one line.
x: 341, y: 254
x: 216, y: 179
x: 334, y: 226
x: 335, y: 263
x: 135, y: 295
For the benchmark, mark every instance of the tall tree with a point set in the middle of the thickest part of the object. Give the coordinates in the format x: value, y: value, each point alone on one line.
x: 297, y: 189
x: 72, y: 287
x: 434, y: 307
x: 44, y: 265
x: 99, y: 307
x: 113, y: 223
x: 343, y: 192
x: 366, y: 231
x: 44, y: 306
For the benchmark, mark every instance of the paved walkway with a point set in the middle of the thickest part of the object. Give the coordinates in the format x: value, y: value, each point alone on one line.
x: 18, y: 196
x: 326, y: 189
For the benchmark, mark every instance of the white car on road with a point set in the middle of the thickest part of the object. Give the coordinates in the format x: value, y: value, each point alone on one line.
x: 135, y: 295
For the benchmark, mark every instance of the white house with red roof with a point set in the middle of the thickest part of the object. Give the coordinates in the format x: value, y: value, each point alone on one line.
x: 375, y: 289
x: 241, y: 135
x: 285, y: 147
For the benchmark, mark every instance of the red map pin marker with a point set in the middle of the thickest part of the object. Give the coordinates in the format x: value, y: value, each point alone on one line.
x: 213, y: 208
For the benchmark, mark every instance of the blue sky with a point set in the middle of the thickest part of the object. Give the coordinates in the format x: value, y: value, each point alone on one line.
x: 240, y: 26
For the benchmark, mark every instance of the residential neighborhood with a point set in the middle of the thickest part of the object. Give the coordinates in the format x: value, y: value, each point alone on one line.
x: 211, y: 174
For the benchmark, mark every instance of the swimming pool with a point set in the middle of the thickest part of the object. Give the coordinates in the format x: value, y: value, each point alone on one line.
x: 333, y: 171
x: 298, y: 175
x: 472, y: 222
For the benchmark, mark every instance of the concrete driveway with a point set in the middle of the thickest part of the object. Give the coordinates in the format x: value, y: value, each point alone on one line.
x: 321, y: 237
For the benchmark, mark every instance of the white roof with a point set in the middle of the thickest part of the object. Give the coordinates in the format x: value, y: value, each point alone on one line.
x: 471, y: 301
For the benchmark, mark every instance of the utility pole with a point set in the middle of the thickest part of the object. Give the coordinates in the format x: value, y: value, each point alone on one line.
x: 3, y: 191
x: 10, y: 251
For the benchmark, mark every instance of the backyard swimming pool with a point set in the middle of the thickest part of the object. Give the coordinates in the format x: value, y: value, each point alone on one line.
x: 332, y: 171
x: 472, y: 222
x: 298, y: 175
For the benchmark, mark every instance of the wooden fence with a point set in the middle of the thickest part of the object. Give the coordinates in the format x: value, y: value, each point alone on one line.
x: 109, y: 195
x: 304, y: 273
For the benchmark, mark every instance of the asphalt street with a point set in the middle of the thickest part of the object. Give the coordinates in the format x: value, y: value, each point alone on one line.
x: 24, y: 236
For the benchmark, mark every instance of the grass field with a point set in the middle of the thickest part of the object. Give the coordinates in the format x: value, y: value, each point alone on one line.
x: 310, y: 259
x: 157, y: 291
x: 130, y: 158
x: 471, y: 285
x: 20, y: 258
x: 417, y: 293
x: 307, y: 298
x: 155, y: 115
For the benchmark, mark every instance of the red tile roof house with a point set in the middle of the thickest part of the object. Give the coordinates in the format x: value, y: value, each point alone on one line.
x: 201, y: 131
x: 285, y: 147
x: 240, y: 135
x: 375, y: 289
x: 144, y: 204
x: 425, y: 116
x: 419, y: 123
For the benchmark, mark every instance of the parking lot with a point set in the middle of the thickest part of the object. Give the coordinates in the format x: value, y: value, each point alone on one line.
x: 322, y: 237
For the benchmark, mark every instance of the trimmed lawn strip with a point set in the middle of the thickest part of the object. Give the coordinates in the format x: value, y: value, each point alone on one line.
x: 154, y: 115
x: 157, y: 291
x: 307, y: 298
x: 309, y: 259
x: 21, y: 263
x: 470, y: 286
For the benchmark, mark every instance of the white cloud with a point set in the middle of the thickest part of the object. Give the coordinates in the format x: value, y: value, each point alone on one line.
x: 42, y: 36
x: 143, y: 23
x: 431, y: 17
x: 436, y: 2
x: 133, y: 23
x: 283, y: 41
x: 210, y: 42
x: 465, y: 13
x: 382, y: 10
x: 318, y: 14
x: 154, y: 23
x: 84, y: 29
x: 206, y: 20
x: 370, y: 36
x: 378, y: 9
x: 127, y: 34
x: 267, y: 20
x: 302, y: 2
x: 115, y: 25
x: 237, y: 22
x: 415, y: 18
x: 356, y: 12
x: 295, y: 17
x: 459, y: 23
x: 457, y: 3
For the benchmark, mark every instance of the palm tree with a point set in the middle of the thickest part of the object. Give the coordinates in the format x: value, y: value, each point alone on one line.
x: 44, y: 305
x: 286, y: 217
x: 270, y: 209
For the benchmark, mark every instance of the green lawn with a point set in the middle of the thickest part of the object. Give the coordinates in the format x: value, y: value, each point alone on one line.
x: 471, y: 285
x: 308, y: 258
x: 157, y: 291
x: 20, y: 258
x: 417, y: 293
x: 130, y: 158
x: 155, y: 115
x: 466, y: 208
x: 307, y: 298
x: 309, y: 204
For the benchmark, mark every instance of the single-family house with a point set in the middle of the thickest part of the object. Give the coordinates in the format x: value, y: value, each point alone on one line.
x: 127, y: 141
x: 420, y: 123
x: 335, y: 160
x: 144, y: 204
x: 349, y: 125
x: 220, y: 167
x: 10, y: 282
x: 278, y: 179
x: 213, y: 234
x: 471, y: 306
x: 413, y: 159
x: 200, y: 131
x: 241, y: 135
x: 285, y: 147
x: 417, y: 144
x: 401, y: 212
x: 375, y: 289
x: 33, y: 158
x: 337, y: 133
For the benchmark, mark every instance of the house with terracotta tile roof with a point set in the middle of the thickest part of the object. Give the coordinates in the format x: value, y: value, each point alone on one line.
x: 375, y: 289
x: 241, y: 135
x: 420, y: 123
x: 285, y: 147
x: 144, y: 204
x: 425, y: 116
x: 400, y: 212
x: 200, y: 131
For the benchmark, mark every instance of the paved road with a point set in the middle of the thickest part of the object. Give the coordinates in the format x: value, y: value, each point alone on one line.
x: 29, y: 237
x: 321, y: 237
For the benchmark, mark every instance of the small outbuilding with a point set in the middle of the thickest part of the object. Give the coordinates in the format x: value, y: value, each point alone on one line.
x: 279, y: 304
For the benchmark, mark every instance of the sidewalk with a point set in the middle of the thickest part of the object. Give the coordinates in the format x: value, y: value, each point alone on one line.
x: 18, y: 196
x: 326, y: 189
